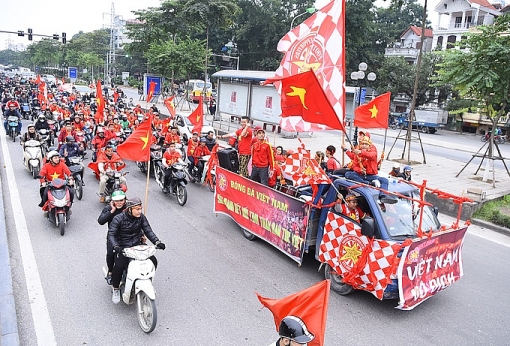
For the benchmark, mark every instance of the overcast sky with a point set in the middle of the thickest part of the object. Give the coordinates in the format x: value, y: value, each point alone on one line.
x: 71, y: 16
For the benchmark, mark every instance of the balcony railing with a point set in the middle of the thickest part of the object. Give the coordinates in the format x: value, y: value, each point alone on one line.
x: 405, y: 52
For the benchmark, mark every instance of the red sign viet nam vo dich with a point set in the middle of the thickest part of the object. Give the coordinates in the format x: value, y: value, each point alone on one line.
x: 272, y: 215
x: 429, y: 266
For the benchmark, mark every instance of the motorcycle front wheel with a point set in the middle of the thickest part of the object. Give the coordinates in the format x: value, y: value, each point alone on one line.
x: 35, y: 172
x: 147, y: 313
x: 62, y: 224
x: 78, y: 188
x: 182, y: 195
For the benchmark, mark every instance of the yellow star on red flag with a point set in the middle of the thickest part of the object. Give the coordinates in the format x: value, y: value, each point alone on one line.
x: 300, y: 92
x: 374, y: 111
x: 145, y: 140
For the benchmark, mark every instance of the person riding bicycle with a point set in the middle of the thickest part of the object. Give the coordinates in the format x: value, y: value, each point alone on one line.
x: 126, y: 230
x: 116, y: 206
x: 170, y: 157
x: 293, y: 331
x: 54, y: 168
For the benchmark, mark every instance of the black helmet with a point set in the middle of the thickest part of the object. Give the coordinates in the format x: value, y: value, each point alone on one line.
x: 69, y: 139
x: 294, y: 328
x: 132, y: 202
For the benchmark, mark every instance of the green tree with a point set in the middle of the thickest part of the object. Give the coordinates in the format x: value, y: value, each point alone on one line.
x: 45, y: 53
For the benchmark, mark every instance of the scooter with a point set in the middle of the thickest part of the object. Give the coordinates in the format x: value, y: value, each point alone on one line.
x: 81, y: 139
x: 25, y: 110
x: 497, y: 138
x: 194, y: 178
x: 75, y: 164
x: 177, y: 183
x: 35, y: 112
x: 113, y: 184
x: 46, y: 139
x: 156, y: 154
x: 137, y: 285
x: 58, y: 204
x: 12, y: 126
x: 32, y: 156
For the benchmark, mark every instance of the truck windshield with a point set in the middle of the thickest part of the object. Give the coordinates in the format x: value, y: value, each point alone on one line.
x: 402, y: 218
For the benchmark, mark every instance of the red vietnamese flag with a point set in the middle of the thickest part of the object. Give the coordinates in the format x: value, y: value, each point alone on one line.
x: 197, y: 118
x: 373, y: 115
x: 302, y: 95
x: 99, y: 116
x: 137, y: 145
x: 38, y: 79
x: 150, y: 93
x: 169, y: 103
x: 311, y: 305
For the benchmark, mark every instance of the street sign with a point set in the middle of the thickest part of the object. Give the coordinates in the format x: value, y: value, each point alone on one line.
x: 362, y: 96
x: 159, y: 80
x: 72, y: 73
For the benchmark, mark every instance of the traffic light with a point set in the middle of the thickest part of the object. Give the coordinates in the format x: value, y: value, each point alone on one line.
x: 55, y: 37
x: 64, y: 40
x: 21, y: 33
x: 29, y: 34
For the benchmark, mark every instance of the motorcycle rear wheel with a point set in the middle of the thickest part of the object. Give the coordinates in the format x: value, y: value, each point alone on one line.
x: 78, y: 188
x: 35, y: 172
x: 61, y: 224
x: 182, y: 195
x: 148, y: 316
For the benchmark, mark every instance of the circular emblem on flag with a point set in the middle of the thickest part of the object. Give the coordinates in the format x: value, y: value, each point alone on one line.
x: 222, y: 182
x: 351, y: 248
x: 306, y: 54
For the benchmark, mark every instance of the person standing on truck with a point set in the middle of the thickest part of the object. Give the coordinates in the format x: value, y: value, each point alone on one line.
x: 244, y: 136
x: 262, y: 159
x: 293, y: 331
x: 364, y: 168
x: 332, y: 163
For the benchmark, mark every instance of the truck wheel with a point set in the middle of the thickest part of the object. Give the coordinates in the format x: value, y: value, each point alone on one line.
x: 337, y: 283
x: 425, y: 129
x: 432, y: 130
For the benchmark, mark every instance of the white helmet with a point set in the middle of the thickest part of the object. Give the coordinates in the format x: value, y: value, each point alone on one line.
x: 52, y: 154
x: 30, y: 125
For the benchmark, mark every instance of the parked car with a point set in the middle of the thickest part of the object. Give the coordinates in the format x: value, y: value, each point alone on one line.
x: 185, y: 127
x: 82, y: 89
x: 50, y: 79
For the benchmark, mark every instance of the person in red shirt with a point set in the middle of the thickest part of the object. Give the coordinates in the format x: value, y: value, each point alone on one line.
x: 262, y: 163
x: 108, y: 161
x: 192, y: 145
x: 52, y: 169
x: 351, y: 209
x: 201, y: 150
x: 66, y: 131
x: 170, y: 157
x: 277, y: 176
x: 244, y: 137
x: 172, y: 136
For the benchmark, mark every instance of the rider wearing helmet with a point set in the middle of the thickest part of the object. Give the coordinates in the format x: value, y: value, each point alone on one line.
x: 116, y: 206
x: 108, y: 160
x: 407, y: 173
x: 71, y: 149
x: 42, y: 123
x: 126, y: 230
x: 52, y: 169
x: 200, y: 151
x: 293, y: 331
x: 12, y: 111
x: 30, y: 134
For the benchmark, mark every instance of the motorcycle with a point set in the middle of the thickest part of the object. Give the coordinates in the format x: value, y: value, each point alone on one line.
x: 59, y: 203
x: 46, y: 139
x: 81, y: 139
x: 32, y: 156
x: 25, y: 110
x: 194, y: 178
x: 35, y: 112
x: 113, y: 184
x: 156, y: 154
x: 499, y: 139
x: 12, y: 126
x: 177, y: 180
x: 137, y: 285
x: 75, y: 164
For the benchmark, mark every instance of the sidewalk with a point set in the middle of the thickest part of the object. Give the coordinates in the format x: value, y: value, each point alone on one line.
x: 439, y: 172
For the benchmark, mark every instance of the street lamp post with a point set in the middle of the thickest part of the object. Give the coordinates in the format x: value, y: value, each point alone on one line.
x: 229, y: 46
x: 308, y: 10
x: 359, y: 77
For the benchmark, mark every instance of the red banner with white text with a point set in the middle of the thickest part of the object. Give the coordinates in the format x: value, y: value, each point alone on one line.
x: 429, y: 266
x: 272, y: 215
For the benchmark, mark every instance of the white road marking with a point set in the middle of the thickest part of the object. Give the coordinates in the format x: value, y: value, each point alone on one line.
x: 40, y: 315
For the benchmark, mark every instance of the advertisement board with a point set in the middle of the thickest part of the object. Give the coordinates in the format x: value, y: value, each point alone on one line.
x: 233, y: 99
x: 265, y: 104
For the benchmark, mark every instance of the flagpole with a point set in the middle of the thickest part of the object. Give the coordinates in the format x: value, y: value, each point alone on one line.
x: 147, y: 186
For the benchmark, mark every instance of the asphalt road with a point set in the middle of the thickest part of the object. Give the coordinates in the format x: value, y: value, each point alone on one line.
x: 209, y: 273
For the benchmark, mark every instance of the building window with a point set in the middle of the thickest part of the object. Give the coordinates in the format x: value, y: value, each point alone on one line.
x: 451, y: 41
x: 462, y: 42
x: 439, y: 42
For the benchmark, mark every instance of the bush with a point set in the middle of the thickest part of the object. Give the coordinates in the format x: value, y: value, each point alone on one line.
x: 491, y: 211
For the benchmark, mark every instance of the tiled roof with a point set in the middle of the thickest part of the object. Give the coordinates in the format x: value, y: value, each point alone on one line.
x: 483, y: 3
x: 417, y: 31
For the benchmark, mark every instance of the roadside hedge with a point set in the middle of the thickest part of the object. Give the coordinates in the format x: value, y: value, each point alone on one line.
x: 491, y: 212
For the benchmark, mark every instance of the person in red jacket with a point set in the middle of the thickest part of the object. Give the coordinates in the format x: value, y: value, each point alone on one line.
x: 54, y: 168
x: 201, y: 150
x: 351, y: 209
x: 364, y: 168
x: 171, y: 156
x: 108, y: 160
x: 66, y: 131
x: 192, y: 145
x: 277, y: 175
x: 244, y: 136
x: 172, y: 136
x: 262, y: 159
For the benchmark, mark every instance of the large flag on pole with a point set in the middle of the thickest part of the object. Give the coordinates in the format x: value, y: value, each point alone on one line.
x: 150, y: 93
x: 302, y: 95
x: 318, y: 44
x: 373, y: 115
x: 197, y: 117
x: 137, y: 145
x: 311, y: 305
x: 100, y: 102
x: 169, y: 103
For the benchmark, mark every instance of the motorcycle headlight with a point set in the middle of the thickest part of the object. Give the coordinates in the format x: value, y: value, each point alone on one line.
x: 59, y: 203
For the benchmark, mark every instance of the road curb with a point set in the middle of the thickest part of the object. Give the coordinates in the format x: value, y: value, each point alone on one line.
x: 491, y: 226
x: 8, y: 317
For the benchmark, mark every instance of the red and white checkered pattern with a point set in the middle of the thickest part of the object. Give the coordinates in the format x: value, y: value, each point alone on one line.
x: 310, y: 174
x: 375, y: 273
x: 317, y: 43
x: 293, y: 162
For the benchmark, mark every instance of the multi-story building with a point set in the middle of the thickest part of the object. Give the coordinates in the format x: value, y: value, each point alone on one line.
x: 409, y: 44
